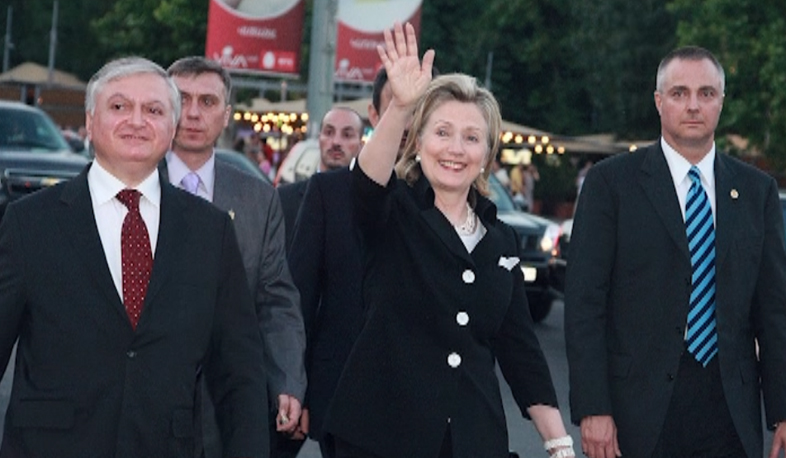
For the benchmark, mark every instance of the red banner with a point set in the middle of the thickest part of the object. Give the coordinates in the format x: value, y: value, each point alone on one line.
x: 256, y: 35
x: 360, y: 27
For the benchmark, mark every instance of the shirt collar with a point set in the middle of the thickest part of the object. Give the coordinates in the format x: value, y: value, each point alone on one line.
x: 104, y: 186
x: 177, y: 169
x: 679, y: 166
x: 484, y: 207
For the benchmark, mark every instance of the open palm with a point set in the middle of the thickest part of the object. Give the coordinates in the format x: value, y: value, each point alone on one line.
x: 408, y: 77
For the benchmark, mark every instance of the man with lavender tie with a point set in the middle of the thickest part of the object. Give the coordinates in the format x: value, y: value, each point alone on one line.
x: 259, y: 223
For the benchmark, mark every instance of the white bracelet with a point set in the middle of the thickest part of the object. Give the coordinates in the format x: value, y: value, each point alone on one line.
x: 564, y: 441
x: 563, y: 453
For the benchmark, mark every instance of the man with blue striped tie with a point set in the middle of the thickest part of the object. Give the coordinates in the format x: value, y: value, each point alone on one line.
x: 677, y: 271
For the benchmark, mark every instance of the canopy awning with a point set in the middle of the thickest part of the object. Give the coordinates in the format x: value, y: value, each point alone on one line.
x: 32, y: 73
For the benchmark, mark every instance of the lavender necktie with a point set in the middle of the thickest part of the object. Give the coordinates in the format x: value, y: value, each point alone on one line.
x: 190, y: 182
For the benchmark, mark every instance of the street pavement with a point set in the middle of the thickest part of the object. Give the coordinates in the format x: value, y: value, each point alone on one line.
x: 524, y: 439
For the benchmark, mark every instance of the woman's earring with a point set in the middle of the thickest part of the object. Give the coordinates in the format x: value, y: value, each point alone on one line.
x: 417, y: 158
x: 482, y: 170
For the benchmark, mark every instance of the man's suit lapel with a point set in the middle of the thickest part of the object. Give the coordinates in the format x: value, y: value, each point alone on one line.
x: 224, y: 194
x: 78, y: 222
x: 725, y: 215
x: 657, y: 183
x: 170, y: 245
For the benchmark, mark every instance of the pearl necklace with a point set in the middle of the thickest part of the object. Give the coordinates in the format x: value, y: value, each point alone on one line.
x: 468, y: 228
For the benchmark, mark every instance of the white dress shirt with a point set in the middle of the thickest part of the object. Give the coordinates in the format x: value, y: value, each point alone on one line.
x: 110, y: 212
x: 177, y: 169
x: 679, y: 167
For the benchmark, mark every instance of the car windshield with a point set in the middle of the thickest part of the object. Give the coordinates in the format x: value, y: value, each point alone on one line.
x: 29, y: 130
x: 500, y: 196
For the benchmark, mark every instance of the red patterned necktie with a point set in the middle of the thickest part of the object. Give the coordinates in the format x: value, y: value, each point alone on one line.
x: 136, y: 255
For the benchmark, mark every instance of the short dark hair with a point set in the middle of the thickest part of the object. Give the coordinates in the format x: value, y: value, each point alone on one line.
x: 379, y: 83
x: 694, y: 53
x: 198, y: 65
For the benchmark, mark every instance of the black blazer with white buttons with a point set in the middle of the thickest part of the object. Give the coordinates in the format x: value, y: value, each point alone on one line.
x: 439, y: 318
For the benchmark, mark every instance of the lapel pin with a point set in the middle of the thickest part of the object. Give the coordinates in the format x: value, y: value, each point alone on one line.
x: 232, y: 212
x: 734, y: 194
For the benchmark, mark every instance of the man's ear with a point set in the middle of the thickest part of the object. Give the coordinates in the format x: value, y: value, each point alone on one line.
x: 658, y: 101
x: 373, y: 116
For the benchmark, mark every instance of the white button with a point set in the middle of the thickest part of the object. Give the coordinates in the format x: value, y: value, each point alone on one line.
x: 468, y: 276
x: 454, y: 360
x: 462, y: 318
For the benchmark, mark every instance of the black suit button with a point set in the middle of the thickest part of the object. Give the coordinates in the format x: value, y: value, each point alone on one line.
x: 670, y: 377
x: 131, y: 354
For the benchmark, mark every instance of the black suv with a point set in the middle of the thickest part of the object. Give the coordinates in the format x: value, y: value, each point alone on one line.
x: 540, y: 264
x: 33, y: 153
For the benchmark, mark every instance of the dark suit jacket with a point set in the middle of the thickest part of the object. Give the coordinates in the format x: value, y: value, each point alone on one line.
x: 291, y: 195
x: 439, y: 318
x: 628, y: 288
x: 259, y: 225
x: 86, y: 384
x: 326, y: 265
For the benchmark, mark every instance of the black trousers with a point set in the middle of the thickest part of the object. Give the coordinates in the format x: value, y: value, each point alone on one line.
x: 698, y: 422
x: 347, y: 450
x: 282, y: 446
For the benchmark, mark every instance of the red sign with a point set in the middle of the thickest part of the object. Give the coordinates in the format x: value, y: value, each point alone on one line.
x: 360, y: 27
x: 256, y: 35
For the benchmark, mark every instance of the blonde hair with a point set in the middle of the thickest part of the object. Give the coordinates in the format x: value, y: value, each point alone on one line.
x: 453, y: 87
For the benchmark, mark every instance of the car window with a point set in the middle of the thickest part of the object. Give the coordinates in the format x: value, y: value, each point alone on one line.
x: 29, y: 130
x: 500, y: 196
x: 240, y: 161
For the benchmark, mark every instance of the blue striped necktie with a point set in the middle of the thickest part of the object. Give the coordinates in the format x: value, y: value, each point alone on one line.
x: 702, y: 334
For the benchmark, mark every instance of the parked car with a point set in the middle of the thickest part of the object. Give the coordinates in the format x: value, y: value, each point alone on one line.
x: 242, y: 162
x: 540, y: 263
x: 300, y: 163
x: 33, y: 153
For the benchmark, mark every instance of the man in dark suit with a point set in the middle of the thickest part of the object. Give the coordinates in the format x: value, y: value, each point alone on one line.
x: 340, y: 140
x: 677, y: 270
x: 107, y: 366
x: 327, y: 256
x: 256, y: 213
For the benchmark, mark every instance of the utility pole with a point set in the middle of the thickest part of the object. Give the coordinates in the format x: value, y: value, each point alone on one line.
x: 8, y: 45
x: 489, y: 61
x: 52, y: 45
x: 321, y: 61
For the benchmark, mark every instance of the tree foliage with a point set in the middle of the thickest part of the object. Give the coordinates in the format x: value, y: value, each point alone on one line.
x: 77, y: 49
x: 161, y: 30
x: 534, y: 71
x: 559, y: 65
x: 619, y: 44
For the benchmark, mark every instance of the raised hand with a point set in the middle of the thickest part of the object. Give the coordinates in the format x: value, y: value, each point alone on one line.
x: 408, y: 77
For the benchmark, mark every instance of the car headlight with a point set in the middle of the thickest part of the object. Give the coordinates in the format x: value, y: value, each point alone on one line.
x: 549, y: 242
